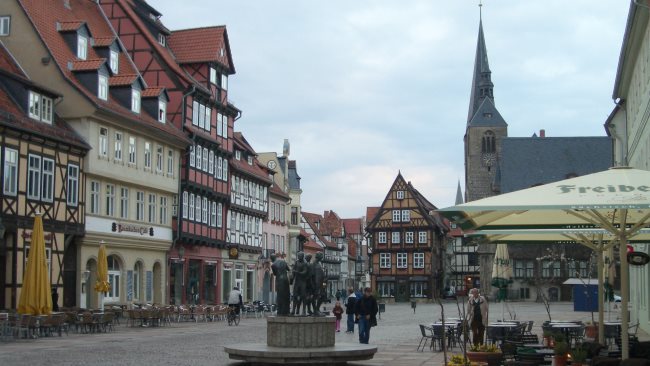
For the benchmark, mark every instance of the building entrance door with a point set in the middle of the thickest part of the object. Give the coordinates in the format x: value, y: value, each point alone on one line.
x: 402, y: 294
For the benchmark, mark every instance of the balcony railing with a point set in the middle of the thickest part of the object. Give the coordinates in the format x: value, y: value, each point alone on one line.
x: 331, y: 259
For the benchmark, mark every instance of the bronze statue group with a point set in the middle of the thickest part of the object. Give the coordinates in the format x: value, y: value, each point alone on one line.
x: 309, y: 282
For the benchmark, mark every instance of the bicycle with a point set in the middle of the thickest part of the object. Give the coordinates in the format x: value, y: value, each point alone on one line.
x: 233, y: 316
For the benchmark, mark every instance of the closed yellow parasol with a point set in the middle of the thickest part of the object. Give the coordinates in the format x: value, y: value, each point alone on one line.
x: 102, y: 285
x: 35, y: 298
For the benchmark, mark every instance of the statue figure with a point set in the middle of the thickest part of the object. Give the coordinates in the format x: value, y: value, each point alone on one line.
x: 309, y: 288
x: 299, y: 283
x: 319, y: 283
x: 281, y: 272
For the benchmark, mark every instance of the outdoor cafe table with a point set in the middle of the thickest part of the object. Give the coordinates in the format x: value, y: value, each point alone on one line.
x: 500, y: 329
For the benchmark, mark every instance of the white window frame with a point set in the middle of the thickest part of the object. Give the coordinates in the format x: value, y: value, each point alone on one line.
x: 163, y: 211
x: 139, y: 205
x: 418, y: 260
x: 384, y: 260
x: 191, y: 208
x: 382, y: 237
x: 185, y: 203
x: 161, y: 39
x: 34, y: 177
x: 225, y: 170
x: 162, y: 111
x: 224, y: 127
x: 10, y: 183
x: 197, y: 209
x: 408, y: 237
x: 133, y: 150
x: 47, y: 191
x: 170, y: 162
x: 224, y: 81
x: 219, y: 214
x: 102, y: 87
x: 34, y: 110
x: 73, y: 185
x: 199, y: 157
x: 114, y: 61
x: 147, y: 155
x: 205, y: 159
x: 192, y: 156
x: 117, y: 153
x: 152, y: 208
x: 82, y: 47
x: 208, y: 118
x: 213, y: 75
x: 213, y: 214
x: 219, y: 124
x: 5, y: 25
x: 402, y: 260
x: 124, y: 203
x: 406, y: 215
x: 400, y: 195
x: 95, y: 192
x: 211, y: 162
x: 135, y: 100
x: 422, y: 237
x: 103, y: 142
x: 159, y: 158
x: 395, y: 237
x: 397, y: 216
x: 205, y: 210
x: 110, y: 200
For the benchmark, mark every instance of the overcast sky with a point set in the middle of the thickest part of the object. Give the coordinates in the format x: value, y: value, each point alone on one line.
x: 366, y: 88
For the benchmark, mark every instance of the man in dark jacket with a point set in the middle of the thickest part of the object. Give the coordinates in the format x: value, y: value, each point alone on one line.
x: 365, y: 311
x: 349, y: 309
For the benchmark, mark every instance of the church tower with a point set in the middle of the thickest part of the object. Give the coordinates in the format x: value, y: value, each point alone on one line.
x: 484, y: 132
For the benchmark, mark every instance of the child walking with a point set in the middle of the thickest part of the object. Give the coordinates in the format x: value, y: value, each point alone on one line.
x: 338, y: 313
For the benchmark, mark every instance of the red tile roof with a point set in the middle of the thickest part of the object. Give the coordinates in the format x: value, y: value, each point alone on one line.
x: 209, y: 44
x: 317, y: 224
x: 152, y: 92
x: 352, y: 226
x: 333, y: 225
x: 71, y: 25
x: 8, y: 63
x: 103, y: 41
x: 44, y: 14
x: 276, y: 190
x: 371, y: 213
x: 122, y: 80
x: 88, y: 65
x: 352, y: 248
x: 242, y: 143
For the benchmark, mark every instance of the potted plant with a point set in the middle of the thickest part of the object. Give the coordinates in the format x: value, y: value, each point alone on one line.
x: 459, y: 360
x: 491, y: 354
x: 578, y: 356
x: 547, y: 340
x: 591, y: 330
x: 561, y: 351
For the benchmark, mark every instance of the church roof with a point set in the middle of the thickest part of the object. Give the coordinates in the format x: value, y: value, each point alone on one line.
x: 482, y: 74
x: 487, y: 115
x: 550, y: 159
x: 459, y: 195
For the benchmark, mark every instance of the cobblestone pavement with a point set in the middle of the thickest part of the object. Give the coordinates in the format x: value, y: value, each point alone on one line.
x: 396, y: 336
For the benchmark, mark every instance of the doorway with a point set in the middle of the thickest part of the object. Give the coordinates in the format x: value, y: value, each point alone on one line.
x: 402, y: 292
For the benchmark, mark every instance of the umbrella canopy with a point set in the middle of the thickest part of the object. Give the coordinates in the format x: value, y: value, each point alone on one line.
x: 35, y: 297
x: 501, y: 267
x: 102, y: 285
x: 616, y: 200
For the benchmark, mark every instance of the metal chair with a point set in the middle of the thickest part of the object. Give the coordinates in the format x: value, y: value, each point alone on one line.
x: 438, y: 336
x: 427, y: 334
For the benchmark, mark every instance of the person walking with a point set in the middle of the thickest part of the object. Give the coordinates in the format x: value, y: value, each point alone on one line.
x: 477, y: 315
x: 349, y: 309
x: 366, y: 312
x: 338, y: 313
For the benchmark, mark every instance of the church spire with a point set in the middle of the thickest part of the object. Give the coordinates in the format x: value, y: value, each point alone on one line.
x: 459, y: 195
x: 482, y: 86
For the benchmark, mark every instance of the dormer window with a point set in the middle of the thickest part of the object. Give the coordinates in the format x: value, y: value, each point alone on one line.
x: 40, y: 107
x: 162, y: 111
x: 114, y: 62
x: 102, y: 87
x: 82, y: 47
x: 250, y: 160
x: 161, y: 39
x: 135, y: 100
x: 5, y: 25
x: 238, y: 155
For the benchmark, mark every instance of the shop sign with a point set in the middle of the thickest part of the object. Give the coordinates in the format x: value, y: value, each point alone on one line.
x: 131, y: 228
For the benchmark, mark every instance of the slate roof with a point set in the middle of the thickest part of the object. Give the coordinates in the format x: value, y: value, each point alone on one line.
x: 45, y: 14
x: 13, y: 116
x: 529, y: 161
x: 199, y: 45
x: 487, y: 115
x: 293, y: 178
x: 482, y: 74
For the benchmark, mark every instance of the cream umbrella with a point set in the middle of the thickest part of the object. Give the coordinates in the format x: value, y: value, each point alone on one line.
x: 616, y: 200
x: 501, y: 273
x: 102, y: 286
x: 35, y: 297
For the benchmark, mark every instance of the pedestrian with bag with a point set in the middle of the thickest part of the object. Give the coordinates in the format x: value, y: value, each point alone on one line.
x: 349, y: 309
x: 366, y: 312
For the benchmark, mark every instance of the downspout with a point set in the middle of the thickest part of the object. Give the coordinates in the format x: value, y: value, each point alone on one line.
x: 179, y: 216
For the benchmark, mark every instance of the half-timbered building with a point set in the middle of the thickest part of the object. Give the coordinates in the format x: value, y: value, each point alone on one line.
x: 249, y: 205
x: 407, y: 238
x: 42, y: 171
x: 131, y: 172
x: 193, y: 65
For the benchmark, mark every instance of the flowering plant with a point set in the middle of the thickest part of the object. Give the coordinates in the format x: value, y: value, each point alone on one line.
x: 459, y: 360
x: 484, y: 348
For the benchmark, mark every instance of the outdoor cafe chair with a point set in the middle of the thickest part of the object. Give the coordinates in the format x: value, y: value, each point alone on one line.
x: 427, y: 335
x: 529, y: 327
x: 107, y: 321
x: 438, y: 336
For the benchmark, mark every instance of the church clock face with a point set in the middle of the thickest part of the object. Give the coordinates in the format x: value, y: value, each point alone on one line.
x: 489, y: 159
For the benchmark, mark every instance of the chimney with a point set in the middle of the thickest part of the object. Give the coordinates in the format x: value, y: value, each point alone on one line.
x: 542, y: 133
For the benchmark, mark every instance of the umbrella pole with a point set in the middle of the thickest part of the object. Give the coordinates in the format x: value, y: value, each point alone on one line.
x: 601, y: 297
x: 625, y: 292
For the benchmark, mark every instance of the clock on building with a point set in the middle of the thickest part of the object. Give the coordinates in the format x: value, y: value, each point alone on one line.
x: 489, y: 159
x: 271, y: 164
x: 233, y: 253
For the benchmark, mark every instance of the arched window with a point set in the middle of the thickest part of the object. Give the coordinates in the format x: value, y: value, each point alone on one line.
x: 488, y: 143
x: 114, y: 274
x: 137, y: 277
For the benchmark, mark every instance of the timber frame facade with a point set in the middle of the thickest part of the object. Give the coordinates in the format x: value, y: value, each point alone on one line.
x: 42, y: 172
x: 407, y: 238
